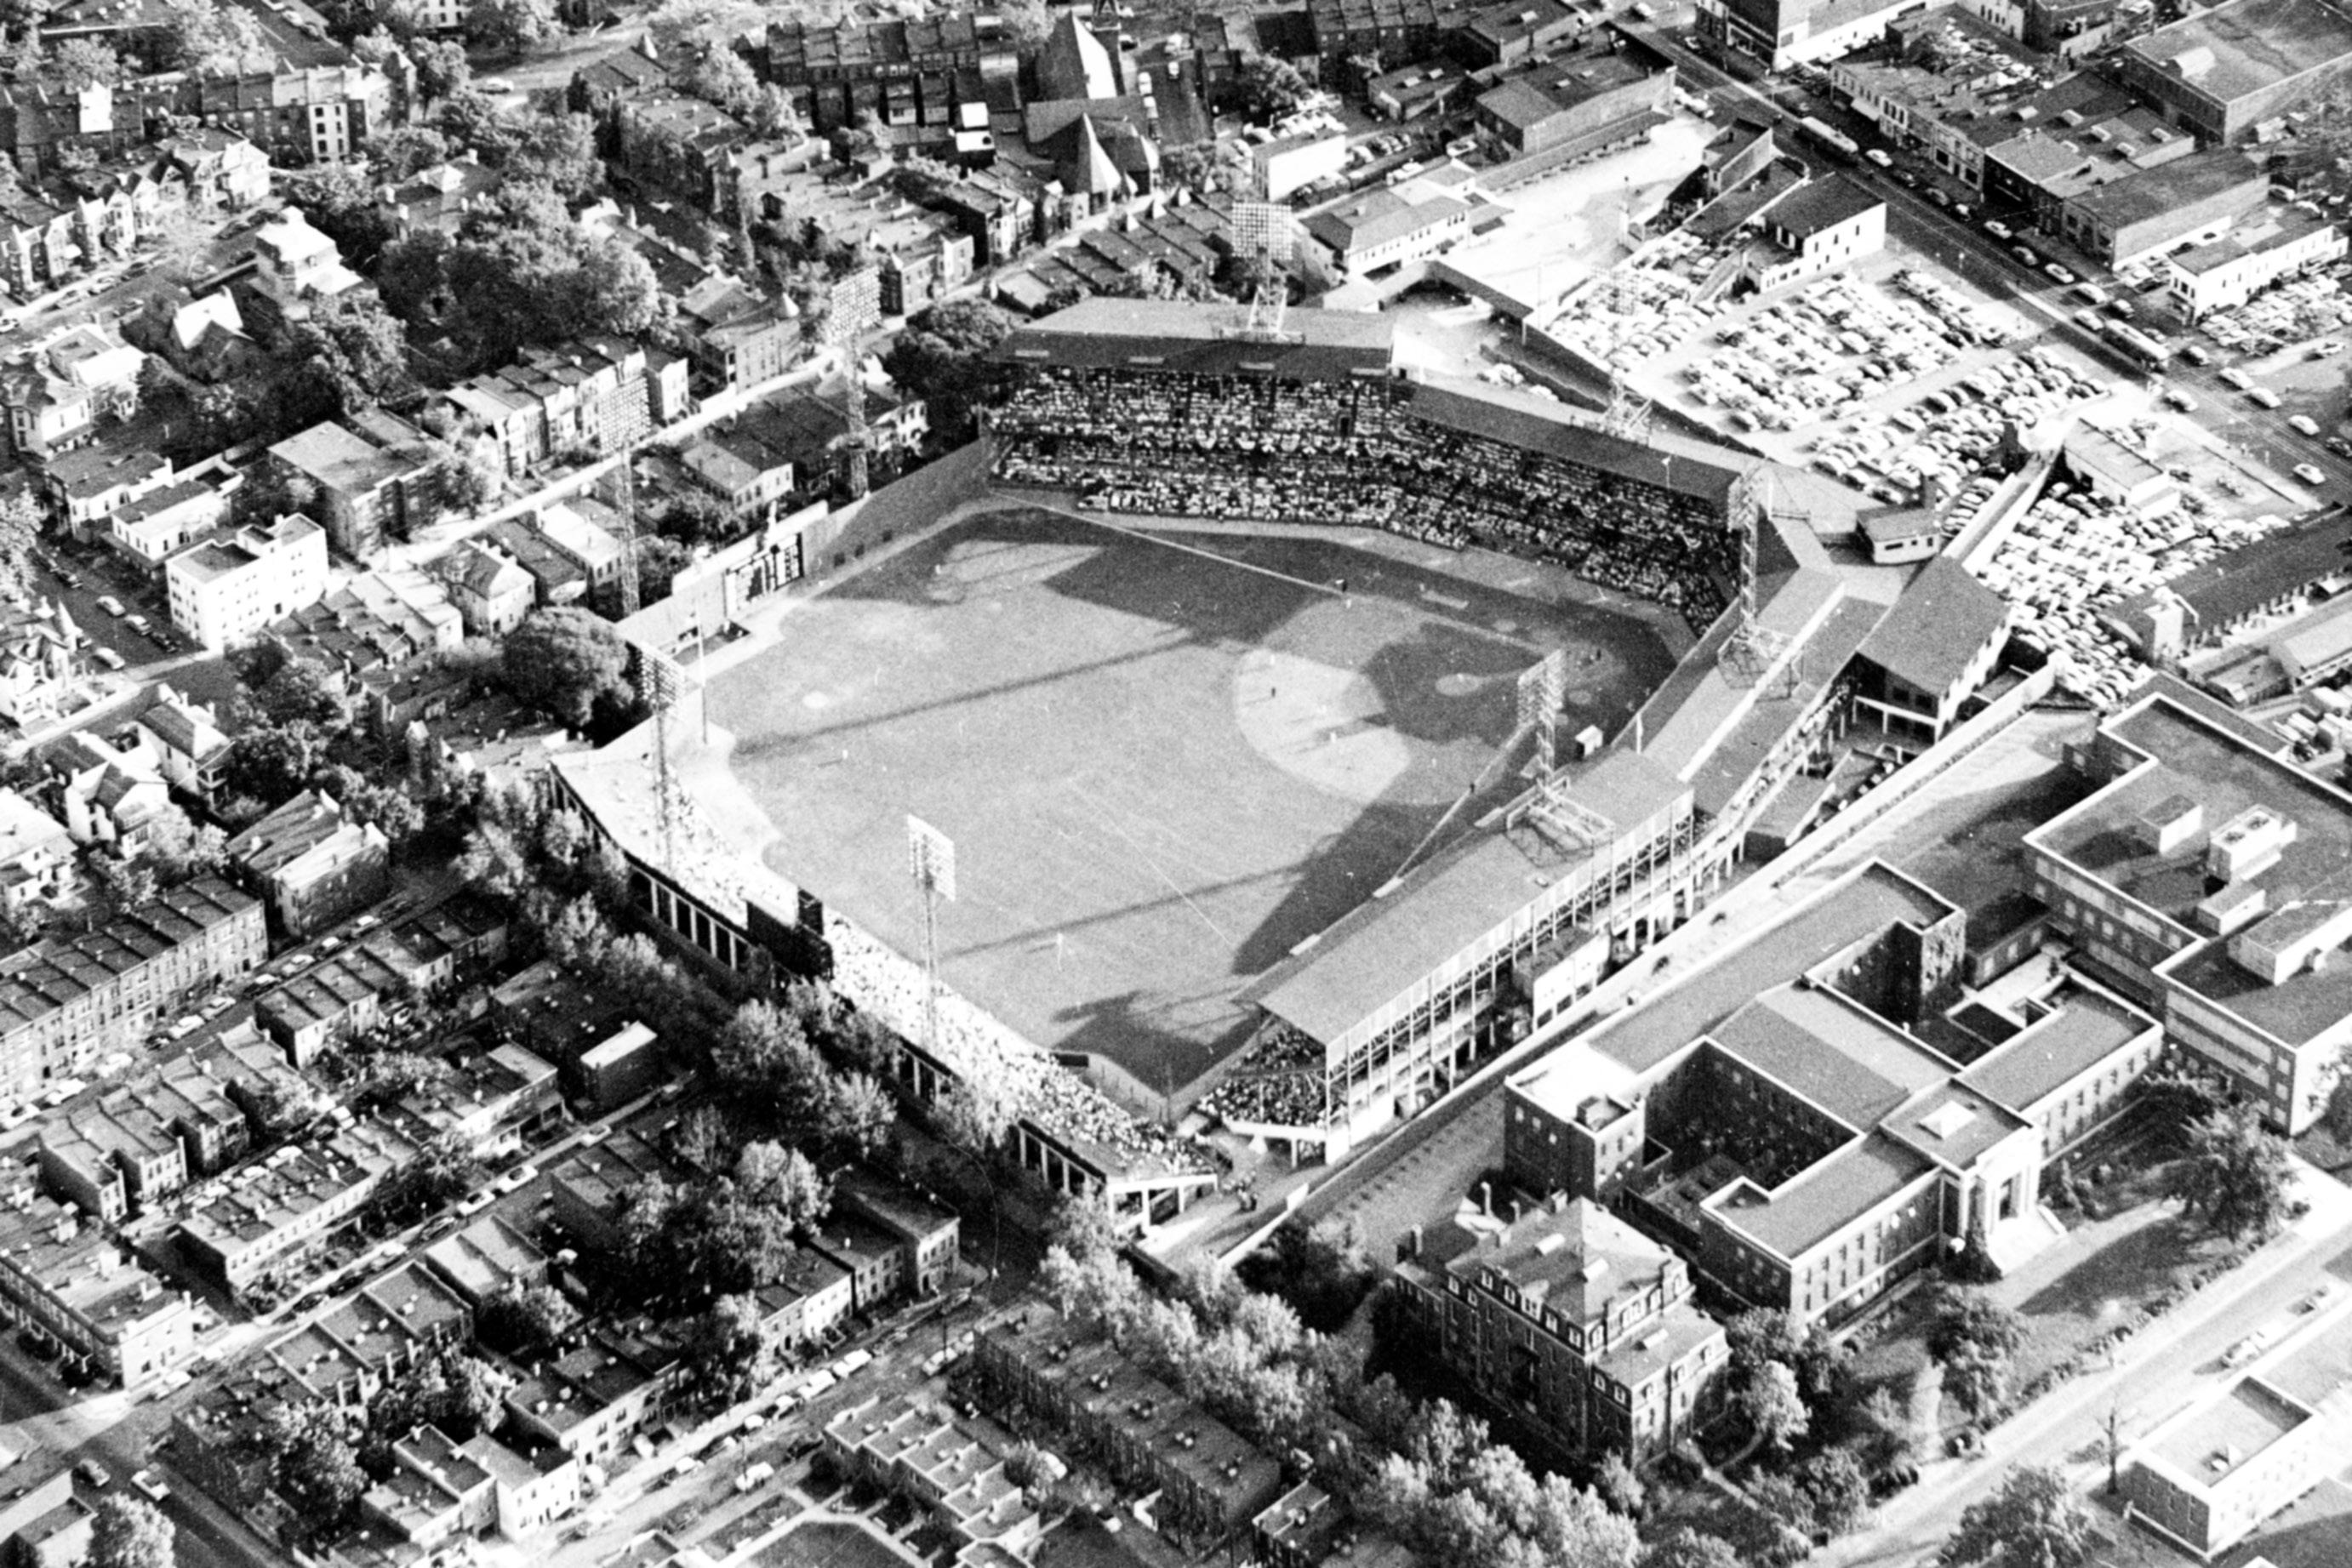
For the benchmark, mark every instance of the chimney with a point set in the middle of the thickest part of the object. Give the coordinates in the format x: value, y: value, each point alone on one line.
x: 1559, y: 1201
x: 1486, y: 1199
x: 1409, y: 1244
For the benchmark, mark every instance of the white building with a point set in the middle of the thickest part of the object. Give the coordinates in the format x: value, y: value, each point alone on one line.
x: 2237, y: 266
x: 225, y: 591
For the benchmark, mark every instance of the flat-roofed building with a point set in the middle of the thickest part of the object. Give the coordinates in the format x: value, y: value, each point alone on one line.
x: 2189, y: 201
x: 1778, y: 1118
x: 63, y: 1277
x: 245, y: 1226
x: 223, y: 591
x: 2214, y: 880
x: 2220, y: 72
x: 2233, y: 270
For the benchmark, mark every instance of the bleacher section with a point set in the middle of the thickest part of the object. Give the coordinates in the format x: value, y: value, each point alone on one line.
x: 1293, y: 439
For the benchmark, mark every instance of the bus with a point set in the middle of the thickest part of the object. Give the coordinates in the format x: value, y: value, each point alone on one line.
x: 2137, y: 347
x: 1829, y: 138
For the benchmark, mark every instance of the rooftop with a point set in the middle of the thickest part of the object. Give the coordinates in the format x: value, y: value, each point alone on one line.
x: 2056, y: 1049
x: 1177, y: 336
x: 2210, y: 1442
x: 1826, y: 1196
x: 1939, y: 626
x: 2245, y: 45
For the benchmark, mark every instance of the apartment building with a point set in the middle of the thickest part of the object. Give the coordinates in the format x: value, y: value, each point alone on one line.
x: 1575, y: 1320
x: 225, y: 591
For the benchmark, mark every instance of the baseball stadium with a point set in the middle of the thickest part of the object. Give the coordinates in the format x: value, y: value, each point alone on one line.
x: 1301, y: 735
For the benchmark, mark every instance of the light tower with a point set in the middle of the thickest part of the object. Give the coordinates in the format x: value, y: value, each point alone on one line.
x: 930, y: 861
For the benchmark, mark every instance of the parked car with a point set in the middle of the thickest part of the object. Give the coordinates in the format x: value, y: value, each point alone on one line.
x: 2263, y: 397
x: 1879, y: 156
x: 1998, y: 229
x: 2338, y: 446
x: 2231, y: 376
x: 2326, y: 348
x: 2303, y: 424
x: 94, y: 1473
x: 108, y: 657
x: 150, y: 1486
x: 113, y: 606
x: 2025, y: 254
x: 2310, y: 475
x: 2058, y: 274
x: 2196, y: 353
x: 2181, y: 400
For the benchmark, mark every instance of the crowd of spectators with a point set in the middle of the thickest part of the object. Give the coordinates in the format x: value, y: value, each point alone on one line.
x: 1278, y: 1081
x: 1029, y: 1083
x: 1355, y: 454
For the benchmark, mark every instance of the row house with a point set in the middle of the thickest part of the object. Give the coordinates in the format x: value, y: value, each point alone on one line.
x: 953, y: 1468
x: 736, y: 337
x: 592, y: 1401
x: 64, y: 1279
x: 1146, y: 1435
x: 359, y: 1342
x: 255, y: 1224
x: 442, y: 1492
x: 68, y: 1002
x: 86, y: 486
x: 591, y: 397
x: 162, y: 523
x: 310, y: 865
x: 111, y: 1156
x: 910, y: 71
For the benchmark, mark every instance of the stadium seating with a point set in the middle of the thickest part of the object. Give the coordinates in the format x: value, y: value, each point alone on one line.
x: 1350, y: 454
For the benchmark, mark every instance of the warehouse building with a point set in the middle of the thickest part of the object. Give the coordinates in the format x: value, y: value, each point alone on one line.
x: 2222, y: 72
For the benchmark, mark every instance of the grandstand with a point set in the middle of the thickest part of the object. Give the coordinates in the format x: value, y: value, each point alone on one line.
x: 1163, y: 409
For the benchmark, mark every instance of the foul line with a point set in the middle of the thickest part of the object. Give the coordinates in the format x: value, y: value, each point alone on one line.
x: 1204, y: 554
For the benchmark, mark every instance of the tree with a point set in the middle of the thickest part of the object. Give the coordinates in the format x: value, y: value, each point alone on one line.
x: 129, y: 1533
x: 1967, y: 1319
x: 1774, y: 1409
x: 727, y: 1350
x: 579, y: 933
x: 2181, y: 1090
x: 2235, y: 1174
x: 78, y: 63
x: 1619, y: 1486
x: 20, y: 533
x: 1777, y: 1524
x: 1025, y: 23
x: 273, y: 764
x: 567, y: 662
x: 1684, y: 1547
x: 943, y: 357
x: 1834, y: 1480
x: 1885, y: 1435
x: 613, y: 289
x: 296, y: 691
x: 123, y: 884
x: 512, y: 27
x: 311, y: 1463
x: 442, y: 69
x: 401, y: 153
x: 859, y: 1115
x: 786, y: 1181
x: 2033, y: 1522
x: 1269, y: 87
x: 721, y: 78
x: 973, y: 1118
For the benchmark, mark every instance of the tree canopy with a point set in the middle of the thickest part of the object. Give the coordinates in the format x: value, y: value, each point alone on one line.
x: 567, y: 662
x: 2234, y: 1174
x: 2035, y: 1521
x: 129, y: 1533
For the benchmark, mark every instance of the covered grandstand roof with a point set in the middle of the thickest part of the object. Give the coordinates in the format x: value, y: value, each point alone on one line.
x: 1675, y: 463
x: 1178, y: 336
